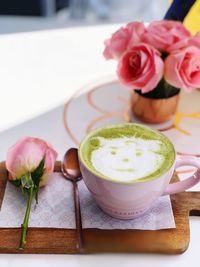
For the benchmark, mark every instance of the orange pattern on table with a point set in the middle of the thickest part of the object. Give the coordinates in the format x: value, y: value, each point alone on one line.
x: 179, y: 116
x: 65, y: 121
x: 106, y: 114
x: 125, y: 114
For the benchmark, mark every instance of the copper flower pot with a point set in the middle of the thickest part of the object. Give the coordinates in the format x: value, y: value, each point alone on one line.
x: 154, y: 110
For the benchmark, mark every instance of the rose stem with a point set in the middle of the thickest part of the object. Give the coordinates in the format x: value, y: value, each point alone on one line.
x: 24, y: 226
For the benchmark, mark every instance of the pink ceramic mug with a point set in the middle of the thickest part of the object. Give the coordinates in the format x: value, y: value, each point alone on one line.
x: 128, y: 201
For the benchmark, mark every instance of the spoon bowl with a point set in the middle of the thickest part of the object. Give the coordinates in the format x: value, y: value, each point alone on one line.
x: 70, y: 165
x: 71, y: 171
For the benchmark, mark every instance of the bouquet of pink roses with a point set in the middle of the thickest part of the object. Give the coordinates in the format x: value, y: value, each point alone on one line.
x: 157, y: 58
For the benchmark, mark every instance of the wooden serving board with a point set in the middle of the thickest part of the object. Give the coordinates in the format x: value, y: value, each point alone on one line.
x: 63, y: 241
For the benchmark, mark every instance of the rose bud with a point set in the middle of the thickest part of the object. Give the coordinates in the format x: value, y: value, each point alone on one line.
x: 29, y: 162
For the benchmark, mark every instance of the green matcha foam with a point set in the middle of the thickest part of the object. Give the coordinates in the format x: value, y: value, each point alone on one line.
x: 127, y: 153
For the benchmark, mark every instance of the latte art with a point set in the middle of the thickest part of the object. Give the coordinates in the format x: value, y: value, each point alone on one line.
x: 127, y: 158
x: 127, y: 153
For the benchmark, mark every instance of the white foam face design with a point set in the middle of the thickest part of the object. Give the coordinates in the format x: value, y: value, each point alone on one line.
x: 127, y: 158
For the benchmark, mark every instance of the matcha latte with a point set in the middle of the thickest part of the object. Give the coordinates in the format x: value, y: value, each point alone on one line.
x: 127, y: 153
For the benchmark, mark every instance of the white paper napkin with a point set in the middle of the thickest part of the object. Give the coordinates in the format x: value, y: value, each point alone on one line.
x: 56, y: 209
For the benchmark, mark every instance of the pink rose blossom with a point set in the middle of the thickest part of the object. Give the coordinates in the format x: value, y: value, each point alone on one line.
x: 123, y: 39
x: 141, y: 67
x: 166, y: 35
x: 182, y: 68
x: 26, y: 155
x: 195, y: 40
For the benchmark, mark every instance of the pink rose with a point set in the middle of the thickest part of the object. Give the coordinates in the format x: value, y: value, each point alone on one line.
x: 195, y: 40
x: 141, y: 67
x: 29, y: 162
x: 123, y: 39
x: 166, y: 35
x: 25, y: 156
x: 182, y: 68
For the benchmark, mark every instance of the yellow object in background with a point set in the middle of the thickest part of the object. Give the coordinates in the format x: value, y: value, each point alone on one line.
x: 192, y: 20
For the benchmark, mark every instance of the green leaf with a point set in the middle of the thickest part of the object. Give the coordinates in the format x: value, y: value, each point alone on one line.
x: 36, y: 194
x: 16, y: 182
x: 38, y: 172
x: 36, y: 175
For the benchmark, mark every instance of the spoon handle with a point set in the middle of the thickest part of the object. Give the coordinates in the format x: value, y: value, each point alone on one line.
x: 78, y: 218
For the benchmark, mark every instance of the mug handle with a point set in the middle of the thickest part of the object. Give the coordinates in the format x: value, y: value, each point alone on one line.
x: 187, y: 183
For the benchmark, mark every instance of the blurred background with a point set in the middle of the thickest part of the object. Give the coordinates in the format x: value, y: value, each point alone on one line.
x: 31, y: 15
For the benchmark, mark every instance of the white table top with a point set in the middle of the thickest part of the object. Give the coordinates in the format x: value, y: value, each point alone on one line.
x: 40, y: 71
